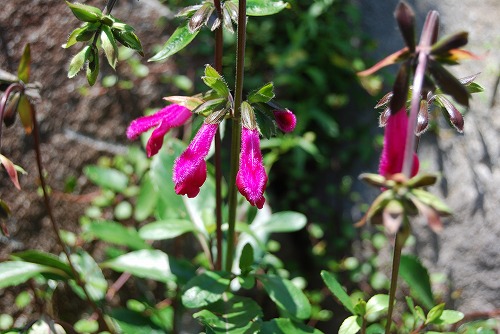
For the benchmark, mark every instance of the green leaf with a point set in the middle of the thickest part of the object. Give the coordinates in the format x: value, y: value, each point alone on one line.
x: 285, y: 221
x: 247, y: 257
x: 286, y: 326
x: 337, y: 290
x: 286, y: 296
x: 129, y: 39
x: 24, y: 109
x: 77, y: 62
x: 351, y: 325
x: 93, y: 65
x: 86, y: 326
x: 235, y: 315
x: 417, y: 277
x: 215, y: 81
x: 17, y: 272
x: 116, y: 233
x: 146, y: 263
x: 146, y: 200
x: 434, y: 313
x: 262, y: 95
x: 166, y: 229
x: 377, y: 304
x: 72, y: 37
x: 266, y: 121
x: 433, y: 201
x: 105, y: 177
x: 205, y: 289
x: 84, y: 12
x: 109, y: 46
x: 23, y: 70
x: 450, y: 317
x: 45, y: 259
x: 90, y: 273
x: 264, y: 7
x: 129, y: 321
x: 178, y: 41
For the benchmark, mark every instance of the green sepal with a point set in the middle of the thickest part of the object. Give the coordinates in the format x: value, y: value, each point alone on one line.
x: 78, y: 61
x: 93, y: 65
x: 421, y: 180
x: 215, y: 81
x: 23, y: 70
x: 108, y: 44
x: 375, y: 180
x: 209, y: 107
x: 262, y: 95
x: 432, y: 201
x: 84, y: 12
x: 377, y: 207
x: 178, y: 41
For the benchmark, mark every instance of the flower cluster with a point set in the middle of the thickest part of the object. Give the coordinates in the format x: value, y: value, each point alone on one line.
x: 190, y: 168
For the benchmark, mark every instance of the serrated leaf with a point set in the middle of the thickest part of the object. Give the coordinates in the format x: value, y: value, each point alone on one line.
x: 85, y: 13
x: 417, y: 277
x: 147, y: 263
x: 181, y: 37
x: 108, y: 178
x: 24, y: 109
x: 166, y: 229
x: 117, y: 234
x: 45, y: 259
x: 262, y: 95
x: 109, y: 46
x: 334, y: 286
x: 215, y: 81
x: 23, y: 70
x: 286, y: 296
x: 351, y: 325
x: 263, y: 8
x: 77, y: 62
x: 205, y: 289
x: 11, y: 170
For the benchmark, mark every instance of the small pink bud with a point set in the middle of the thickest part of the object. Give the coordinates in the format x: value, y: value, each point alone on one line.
x: 285, y: 119
x: 190, y: 168
x: 251, y: 179
x: 391, y: 160
x: 171, y: 116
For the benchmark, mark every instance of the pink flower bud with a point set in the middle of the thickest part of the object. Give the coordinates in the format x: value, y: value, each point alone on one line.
x: 391, y: 160
x: 190, y: 168
x: 171, y: 116
x: 251, y: 178
x: 285, y: 119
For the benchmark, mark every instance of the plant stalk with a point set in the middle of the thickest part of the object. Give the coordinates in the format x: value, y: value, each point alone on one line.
x: 217, y: 154
x: 236, y: 131
x: 396, y: 260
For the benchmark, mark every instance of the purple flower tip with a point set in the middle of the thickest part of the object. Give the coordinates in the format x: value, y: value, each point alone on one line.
x: 171, y: 116
x: 251, y: 179
x: 285, y: 119
x: 190, y: 168
x: 391, y: 160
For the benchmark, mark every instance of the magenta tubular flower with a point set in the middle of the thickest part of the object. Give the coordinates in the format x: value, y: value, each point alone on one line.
x: 285, y: 119
x: 251, y: 179
x: 169, y: 117
x: 391, y: 160
x: 190, y: 168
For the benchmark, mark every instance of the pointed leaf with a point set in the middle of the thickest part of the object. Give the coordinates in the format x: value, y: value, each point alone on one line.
x: 93, y: 66
x: 375, y: 180
x: 190, y: 102
x: 433, y: 201
x: 377, y: 304
x: 109, y: 46
x: 286, y: 296
x: 389, y: 60
x: 247, y: 257
x: 117, y: 234
x: 77, y: 62
x: 400, y: 89
x: 337, y: 290
x: 215, y: 81
x: 166, y: 229
x: 178, y: 41
x: 107, y: 177
x: 384, y: 101
x: 11, y: 170
x: 45, y: 259
x: 205, y: 289
x: 17, y: 272
x: 262, y: 95
x: 128, y: 39
x: 406, y: 20
x: 286, y: 326
x: 417, y: 277
x: 72, y: 37
x: 90, y: 273
x: 351, y: 325
x: 84, y: 12
x: 147, y: 263
x: 448, y: 83
x: 263, y: 8
x: 435, y: 313
x: 451, y: 113
x: 422, y: 180
x: 451, y: 42
x: 24, y: 109
x: 450, y: 317
x: 23, y: 70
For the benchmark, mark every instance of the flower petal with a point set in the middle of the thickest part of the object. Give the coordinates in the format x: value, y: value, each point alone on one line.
x: 251, y: 179
x: 285, y: 119
x: 190, y: 170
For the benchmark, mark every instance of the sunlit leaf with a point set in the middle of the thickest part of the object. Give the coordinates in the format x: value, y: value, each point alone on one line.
x: 334, y: 286
x: 109, y: 46
x: 435, y: 313
x: 17, y: 272
x: 23, y: 70
x: 77, y: 62
x: 45, y: 259
x: 351, y: 325
x: 116, y: 233
x: 90, y: 273
x: 181, y: 37
x: 205, y: 289
x: 264, y: 7
x: 377, y: 304
x: 85, y: 12
x: 417, y: 277
x: 166, y: 229
x: 262, y: 95
x: 215, y: 81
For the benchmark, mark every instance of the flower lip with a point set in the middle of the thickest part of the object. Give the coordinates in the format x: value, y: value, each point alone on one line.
x: 251, y: 179
x: 285, y: 119
x: 171, y: 116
